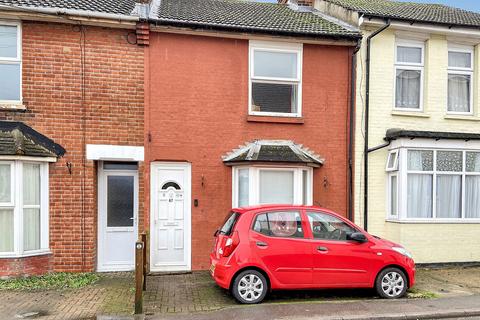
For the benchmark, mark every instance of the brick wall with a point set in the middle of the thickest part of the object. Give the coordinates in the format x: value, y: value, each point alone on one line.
x: 35, y: 265
x: 198, y: 93
x: 111, y: 113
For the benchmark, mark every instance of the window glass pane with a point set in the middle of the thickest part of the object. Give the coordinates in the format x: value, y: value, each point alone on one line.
x: 408, y: 86
x: 392, y: 157
x: 275, y: 64
x: 393, y: 195
x: 450, y: 161
x: 6, y: 230
x: 8, y: 42
x: 459, y: 92
x: 5, y: 183
x: 227, y: 227
x: 420, y: 160
x: 243, y: 186
x: 449, y: 196
x: 119, y: 165
x: 472, y: 197
x: 31, y: 184
x: 459, y: 59
x: 409, y: 54
x: 325, y: 226
x: 473, y: 161
x: 31, y: 229
x: 305, y: 187
x: 276, y: 187
x: 120, y: 201
x: 419, y: 193
x: 285, y: 224
x: 271, y: 97
x: 10, y: 82
x: 261, y: 225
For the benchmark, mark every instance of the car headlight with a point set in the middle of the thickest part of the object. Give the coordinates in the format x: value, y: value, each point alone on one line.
x: 403, y: 251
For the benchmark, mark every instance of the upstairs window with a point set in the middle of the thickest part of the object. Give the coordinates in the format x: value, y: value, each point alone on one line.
x: 409, y: 65
x: 275, y: 79
x: 460, y: 80
x: 10, y: 62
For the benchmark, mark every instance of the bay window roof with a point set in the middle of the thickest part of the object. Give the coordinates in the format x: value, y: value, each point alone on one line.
x: 393, y: 134
x: 278, y: 151
x: 18, y: 139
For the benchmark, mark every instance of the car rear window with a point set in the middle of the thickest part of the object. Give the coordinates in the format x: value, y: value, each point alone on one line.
x: 284, y: 224
x: 229, y: 223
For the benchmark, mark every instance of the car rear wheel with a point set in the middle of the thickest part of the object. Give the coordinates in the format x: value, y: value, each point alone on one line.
x: 249, y: 287
x: 391, y: 283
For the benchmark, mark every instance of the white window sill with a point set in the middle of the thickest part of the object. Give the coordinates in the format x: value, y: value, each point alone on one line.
x: 25, y: 254
x: 408, y: 113
x: 274, y: 114
x: 462, y: 117
x: 11, y: 106
x: 435, y: 221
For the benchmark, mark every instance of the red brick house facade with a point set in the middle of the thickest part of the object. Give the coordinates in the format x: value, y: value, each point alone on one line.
x: 81, y: 85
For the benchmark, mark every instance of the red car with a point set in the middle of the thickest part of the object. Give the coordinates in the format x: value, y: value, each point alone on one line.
x: 271, y: 247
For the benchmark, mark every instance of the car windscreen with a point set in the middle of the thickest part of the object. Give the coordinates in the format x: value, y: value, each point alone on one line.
x: 229, y: 223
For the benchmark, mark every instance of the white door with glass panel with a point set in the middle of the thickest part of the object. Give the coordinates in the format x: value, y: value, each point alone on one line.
x: 171, y: 217
x: 117, y: 215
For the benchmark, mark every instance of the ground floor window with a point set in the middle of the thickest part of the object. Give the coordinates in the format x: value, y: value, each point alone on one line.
x: 23, y: 207
x: 254, y: 185
x: 434, y: 184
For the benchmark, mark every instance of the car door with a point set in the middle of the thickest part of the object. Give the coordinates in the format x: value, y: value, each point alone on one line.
x: 278, y: 240
x: 337, y: 261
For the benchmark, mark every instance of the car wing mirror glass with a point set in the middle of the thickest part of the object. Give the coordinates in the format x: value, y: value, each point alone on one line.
x: 358, y: 237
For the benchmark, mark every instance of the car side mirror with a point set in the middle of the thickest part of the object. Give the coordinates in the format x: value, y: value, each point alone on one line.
x: 358, y: 237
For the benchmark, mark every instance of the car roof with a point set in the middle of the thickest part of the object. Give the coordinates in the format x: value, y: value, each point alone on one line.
x: 278, y: 207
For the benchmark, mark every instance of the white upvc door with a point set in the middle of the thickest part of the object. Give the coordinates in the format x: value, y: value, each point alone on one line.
x: 117, y: 219
x: 170, y: 248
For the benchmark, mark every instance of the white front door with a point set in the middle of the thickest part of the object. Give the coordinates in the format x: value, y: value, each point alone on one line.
x: 117, y: 215
x: 170, y: 217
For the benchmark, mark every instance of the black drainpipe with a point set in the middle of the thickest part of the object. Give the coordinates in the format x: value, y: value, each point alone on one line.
x: 367, y: 109
x: 352, y: 126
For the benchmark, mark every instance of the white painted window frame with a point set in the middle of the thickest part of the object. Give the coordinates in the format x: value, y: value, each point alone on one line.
x: 462, y: 71
x: 409, y: 67
x: 18, y: 206
x: 268, y: 46
x: 402, y: 186
x: 254, y: 183
x: 16, y: 60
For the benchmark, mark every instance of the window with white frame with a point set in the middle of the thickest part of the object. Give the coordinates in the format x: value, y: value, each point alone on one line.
x: 254, y: 185
x: 392, y: 169
x: 23, y: 208
x: 275, y: 79
x: 435, y: 184
x: 10, y: 62
x: 460, y: 79
x: 409, y: 65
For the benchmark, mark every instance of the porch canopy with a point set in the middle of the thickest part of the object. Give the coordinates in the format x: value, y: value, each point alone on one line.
x: 18, y: 139
x: 269, y: 151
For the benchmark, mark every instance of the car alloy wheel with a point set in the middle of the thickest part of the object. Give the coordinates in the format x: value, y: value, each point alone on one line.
x: 391, y: 283
x: 250, y: 287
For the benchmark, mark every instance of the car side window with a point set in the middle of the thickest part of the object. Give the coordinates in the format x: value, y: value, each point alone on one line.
x: 328, y: 227
x: 283, y: 224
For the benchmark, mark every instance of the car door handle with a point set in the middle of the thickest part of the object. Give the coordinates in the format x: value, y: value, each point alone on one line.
x: 322, y: 249
x: 261, y: 244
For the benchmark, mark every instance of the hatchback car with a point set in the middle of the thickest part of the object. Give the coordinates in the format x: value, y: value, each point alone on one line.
x: 273, y: 247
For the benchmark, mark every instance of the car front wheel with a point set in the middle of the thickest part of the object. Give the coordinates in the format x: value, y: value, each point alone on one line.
x: 249, y: 287
x: 391, y: 283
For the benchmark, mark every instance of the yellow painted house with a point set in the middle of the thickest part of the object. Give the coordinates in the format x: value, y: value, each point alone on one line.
x: 418, y: 74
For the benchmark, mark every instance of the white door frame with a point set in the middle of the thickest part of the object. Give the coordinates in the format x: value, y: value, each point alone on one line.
x: 102, y: 266
x: 187, y: 167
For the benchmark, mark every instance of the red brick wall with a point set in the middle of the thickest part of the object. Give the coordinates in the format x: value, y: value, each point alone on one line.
x: 112, y: 113
x: 197, y: 112
x: 27, y: 266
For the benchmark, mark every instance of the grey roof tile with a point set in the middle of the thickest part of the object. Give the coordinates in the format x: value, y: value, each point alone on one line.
x: 424, y: 12
x: 248, y: 16
x: 123, y: 7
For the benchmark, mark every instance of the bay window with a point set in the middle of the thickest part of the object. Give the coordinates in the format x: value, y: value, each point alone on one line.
x: 10, y: 62
x: 409, y: 65
x: 434, y: 184
x: 275, y: 79
x: 23, y: 208
x: 460, y: 79
x: 253, y: 185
